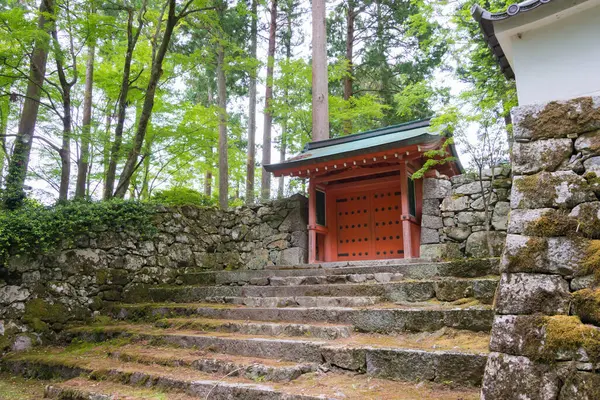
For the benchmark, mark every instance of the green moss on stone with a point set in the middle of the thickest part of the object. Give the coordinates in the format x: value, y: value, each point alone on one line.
x: 568, y: 334
x: 586, y: 304
x: 553, y: 223
x: 529, y: 256
x: 590, y: 263
x: 40, y: 314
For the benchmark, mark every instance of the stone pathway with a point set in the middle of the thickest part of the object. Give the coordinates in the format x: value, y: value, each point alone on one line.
x: 405, y: 330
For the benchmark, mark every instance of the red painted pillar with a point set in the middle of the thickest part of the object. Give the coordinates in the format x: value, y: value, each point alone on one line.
x: 312, y: 222
x: 406, y: 225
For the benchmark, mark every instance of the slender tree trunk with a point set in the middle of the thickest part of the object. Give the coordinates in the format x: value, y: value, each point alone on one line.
x: 67, y: 119
x: 142, y: 127
x: 251, y: 160
x: 287, y: 42
x: 106, y: 148
x: 266, y: 153
x: 145, y: 190
x: 222, y: 102
x: 208, y: 184
x: 348, y: 79
x: 65, y: 150
x: 83, y: 165
x: 132, y: 39
x: 282, y: 151
x: 19, y: 161
x: 4, y: 112
x: 320, y: 86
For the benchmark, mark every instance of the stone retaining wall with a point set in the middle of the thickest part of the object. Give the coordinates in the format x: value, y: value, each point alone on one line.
x: 454, y: 217
x: 546, y: 335
x: 45, y: 292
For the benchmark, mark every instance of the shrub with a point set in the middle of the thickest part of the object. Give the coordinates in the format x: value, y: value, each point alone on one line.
x: 34, y: 228
x: 182, y: 196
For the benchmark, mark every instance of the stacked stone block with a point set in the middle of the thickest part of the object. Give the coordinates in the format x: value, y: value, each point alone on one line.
x: 454, y: 219
x: 545, y: 344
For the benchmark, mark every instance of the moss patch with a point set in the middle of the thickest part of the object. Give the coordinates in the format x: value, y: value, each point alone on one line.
x: 557, y: 120
x: 41, y: 315
x: 568, y: 334
x: 586, y: 303
x: 552, y: 223
x: 528, y: 257
x: 590, y: 264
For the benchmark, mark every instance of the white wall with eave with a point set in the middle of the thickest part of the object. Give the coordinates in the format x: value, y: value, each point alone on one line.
x: 560, y: 60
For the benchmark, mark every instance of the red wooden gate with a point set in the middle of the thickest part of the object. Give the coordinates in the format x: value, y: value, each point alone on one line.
x: 369, y: 226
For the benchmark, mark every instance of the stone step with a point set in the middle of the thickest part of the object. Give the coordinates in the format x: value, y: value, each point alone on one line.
x: 255, y: 369
x: 374, y: 354
x: 110, y: 376
x: 320, y: 331
x: 87, y: 389
x: 415, y: 269
x: 300, y: 301
x: 384, y: 318
x: 180, y: 380
x: 447, y: 289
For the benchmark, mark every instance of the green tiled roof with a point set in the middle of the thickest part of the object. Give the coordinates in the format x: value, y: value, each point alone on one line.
x: 417, y: 132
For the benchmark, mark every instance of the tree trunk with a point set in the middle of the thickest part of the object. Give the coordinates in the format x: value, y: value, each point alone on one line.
x: 84, y: 162
x: 320, y: 90
x: 65, y: 150
x: 132, y: 39
x: 17, y: 169
x: 266, y: 152
x: 348, y: 79
x: 282, y: 151
x: 67, y: 119
x: 208, y: 184
x: 251, y: 160
x: 106, y: 148
x: 4, y: 112
x: 140, y: 133
x: 222, y: 102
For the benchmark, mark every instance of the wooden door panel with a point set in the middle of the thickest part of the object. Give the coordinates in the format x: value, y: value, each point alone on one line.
x: 354, y: 226
x: 388, y: 225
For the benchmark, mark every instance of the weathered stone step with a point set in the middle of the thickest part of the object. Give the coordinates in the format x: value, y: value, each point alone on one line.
x: 320, y: 331
x: 193, y: 383
x: 214, y: 363
x: 393, y: 318
x: 87, y: 389
x: 171, y: 382
x: 300, y: 301
x: 417, y: 269
x: 374, y: 354
x: 447, y: 289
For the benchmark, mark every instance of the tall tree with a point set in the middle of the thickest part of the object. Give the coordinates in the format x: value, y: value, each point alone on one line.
x: 320, y: 89
x: 65, y: 89
x: 173, y: 18
x: 268, y: 113
x: 251, y: 160
x: 133, y: 35
x: 223, y: 147
x: 84, y: 160
x: 19, y: 161
x: 348, y: 79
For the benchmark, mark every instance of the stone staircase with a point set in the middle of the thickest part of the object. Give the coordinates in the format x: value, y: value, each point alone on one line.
x: 371, y: 330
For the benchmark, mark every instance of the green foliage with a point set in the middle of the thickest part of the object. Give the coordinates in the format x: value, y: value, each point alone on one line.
x: 182, y: 196
x: 434, y: 158
x: 34, y: 228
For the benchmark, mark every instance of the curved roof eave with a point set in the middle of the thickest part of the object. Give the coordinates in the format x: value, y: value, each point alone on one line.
x: 486, y: 21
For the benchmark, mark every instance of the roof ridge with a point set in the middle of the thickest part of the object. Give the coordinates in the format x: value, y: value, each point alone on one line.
x: 370, y: 133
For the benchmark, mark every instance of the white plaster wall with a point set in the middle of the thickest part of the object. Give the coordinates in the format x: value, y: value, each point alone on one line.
x: 560, y: 60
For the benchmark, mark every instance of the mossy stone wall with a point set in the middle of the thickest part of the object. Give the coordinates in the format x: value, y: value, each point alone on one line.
x: 546, y: 335
x: 41, y: 293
